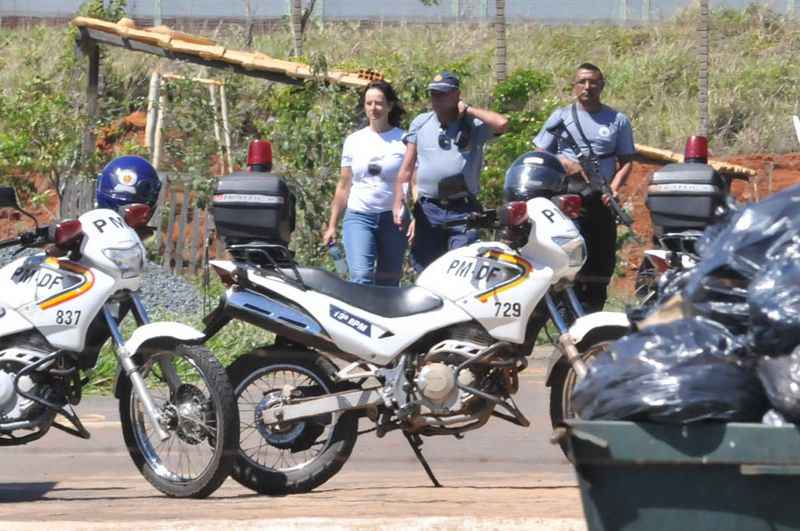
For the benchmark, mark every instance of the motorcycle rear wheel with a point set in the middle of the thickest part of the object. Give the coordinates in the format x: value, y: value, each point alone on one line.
x: 200, y: 418
x: 298, y: 456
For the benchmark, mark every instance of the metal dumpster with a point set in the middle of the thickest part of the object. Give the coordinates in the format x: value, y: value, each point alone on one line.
x: 698, y: 477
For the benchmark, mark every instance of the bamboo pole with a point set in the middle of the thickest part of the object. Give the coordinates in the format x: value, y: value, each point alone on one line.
x: 212, y: 93
x: 157, y: 135
x: 152, y: 110
x: 226, y: 130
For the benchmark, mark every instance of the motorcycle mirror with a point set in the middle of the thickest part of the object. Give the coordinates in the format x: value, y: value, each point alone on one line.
x: 8, y: 197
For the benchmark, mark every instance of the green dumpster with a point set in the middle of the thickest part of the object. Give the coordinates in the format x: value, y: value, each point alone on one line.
x: 698, y: 477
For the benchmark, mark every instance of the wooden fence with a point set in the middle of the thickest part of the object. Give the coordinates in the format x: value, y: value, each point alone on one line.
x: 182, y: 238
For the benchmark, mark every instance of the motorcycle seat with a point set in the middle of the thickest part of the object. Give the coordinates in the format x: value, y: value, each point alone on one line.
x: 380, y: 300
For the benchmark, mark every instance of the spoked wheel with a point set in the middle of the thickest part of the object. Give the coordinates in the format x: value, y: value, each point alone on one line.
x: 564, y: 379
x: 290, y: 457
x: 190, y: 390
x: 646, y: 286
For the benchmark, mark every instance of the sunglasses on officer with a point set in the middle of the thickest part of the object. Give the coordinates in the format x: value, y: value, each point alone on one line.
x: 461, y: 139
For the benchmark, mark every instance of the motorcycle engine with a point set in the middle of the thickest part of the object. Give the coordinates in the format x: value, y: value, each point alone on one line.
x: 13, y: 406
x: 436, y: 379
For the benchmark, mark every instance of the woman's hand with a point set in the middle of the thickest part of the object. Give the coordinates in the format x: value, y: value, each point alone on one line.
x: 329, y: 236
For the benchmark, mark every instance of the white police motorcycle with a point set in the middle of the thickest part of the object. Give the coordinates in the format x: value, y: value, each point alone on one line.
x: 58, y: 308
x: 439, y: 358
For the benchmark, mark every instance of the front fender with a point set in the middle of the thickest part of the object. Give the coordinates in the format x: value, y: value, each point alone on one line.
x: 593, y: 327
x: 154, y: 336
x: 161, y: 335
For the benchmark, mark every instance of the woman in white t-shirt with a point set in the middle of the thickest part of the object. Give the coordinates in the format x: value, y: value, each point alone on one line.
x: 371, y: 159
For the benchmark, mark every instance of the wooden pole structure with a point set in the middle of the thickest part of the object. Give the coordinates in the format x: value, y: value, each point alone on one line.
x: 226, y: 130
x: 212, y: 93
x: 93, y: 52
x: 703, y: 67
x: 500, y: 55
x: 152, y: 110
x: 157, y: 135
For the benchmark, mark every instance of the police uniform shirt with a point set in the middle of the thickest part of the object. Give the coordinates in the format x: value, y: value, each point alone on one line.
x: 608, y: 131
x: 436, y: 160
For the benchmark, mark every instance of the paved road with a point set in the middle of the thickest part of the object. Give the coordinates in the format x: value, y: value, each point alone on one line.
x: 499, y: 477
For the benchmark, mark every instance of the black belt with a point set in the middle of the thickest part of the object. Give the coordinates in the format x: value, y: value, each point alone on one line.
x: 444, y: 203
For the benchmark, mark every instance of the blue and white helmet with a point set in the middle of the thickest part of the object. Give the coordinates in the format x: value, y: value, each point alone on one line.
x: 126, y: 180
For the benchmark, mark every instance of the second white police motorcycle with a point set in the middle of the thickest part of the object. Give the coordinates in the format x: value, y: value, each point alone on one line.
x: 57, y: 309
x: 438, y: 358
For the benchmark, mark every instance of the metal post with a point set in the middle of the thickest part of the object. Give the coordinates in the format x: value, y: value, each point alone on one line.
x: 790, y: 7
x: 623, y: 11
x: 500, y: 41
x: 93, y: 51
x: 156, y: 12
x: 647, y: 10
x: 703, y: 67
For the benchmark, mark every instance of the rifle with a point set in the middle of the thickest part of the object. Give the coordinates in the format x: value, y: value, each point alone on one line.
x: 591, y: 172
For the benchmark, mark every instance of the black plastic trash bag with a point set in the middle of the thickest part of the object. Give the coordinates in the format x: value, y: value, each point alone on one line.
x: 684, y: 371
x: 733, y: 253
x: 781, y: 378
x: 774, y: 300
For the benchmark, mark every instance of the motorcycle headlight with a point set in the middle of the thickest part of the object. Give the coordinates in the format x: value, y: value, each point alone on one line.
x: 575, y: 248
x: 130, y: 260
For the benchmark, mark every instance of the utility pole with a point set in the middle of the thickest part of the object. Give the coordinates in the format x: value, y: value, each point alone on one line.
x: 790, y: 6
x: 156, y: 12
x: 647, y: 10
x: 623, y: 11
x: 703, y: 67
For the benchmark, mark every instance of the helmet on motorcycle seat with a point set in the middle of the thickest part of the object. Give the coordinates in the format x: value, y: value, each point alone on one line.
x: 534, y: 174
x: 127, y: 180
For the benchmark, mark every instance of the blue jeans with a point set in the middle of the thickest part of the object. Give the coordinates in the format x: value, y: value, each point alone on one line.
x: 374, y: 246
x: 431, y: 238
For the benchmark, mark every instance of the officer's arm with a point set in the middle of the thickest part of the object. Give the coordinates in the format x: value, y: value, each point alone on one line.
x: 496, y: 121
x: 624, y: 171
x: 404, y: 176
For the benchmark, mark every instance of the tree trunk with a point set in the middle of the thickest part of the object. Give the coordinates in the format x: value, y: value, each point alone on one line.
x: 703, y: 66
x: 500, y: 41
x: 248, y: 14
x: 295, y: 18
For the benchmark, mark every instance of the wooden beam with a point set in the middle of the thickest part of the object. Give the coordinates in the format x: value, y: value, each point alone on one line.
x: 92, y: 51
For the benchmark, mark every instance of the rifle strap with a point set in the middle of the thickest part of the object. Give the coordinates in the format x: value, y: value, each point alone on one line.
x: 595, y: 159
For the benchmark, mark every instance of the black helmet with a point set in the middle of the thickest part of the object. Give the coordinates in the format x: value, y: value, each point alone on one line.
x: 534, y: 174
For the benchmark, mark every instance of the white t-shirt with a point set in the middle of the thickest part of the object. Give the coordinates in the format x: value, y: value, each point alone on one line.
x: 374, y: 159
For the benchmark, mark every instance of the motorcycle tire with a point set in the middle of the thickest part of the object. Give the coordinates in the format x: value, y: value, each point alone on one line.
x: 564, y: 379
x: 257, y: 366
x: 217, y: 410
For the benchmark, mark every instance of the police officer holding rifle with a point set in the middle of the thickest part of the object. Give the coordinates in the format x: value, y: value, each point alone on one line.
x: 595, y: 144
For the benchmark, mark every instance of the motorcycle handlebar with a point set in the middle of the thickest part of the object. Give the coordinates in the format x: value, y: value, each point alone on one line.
x: 28, y: 239
x: 475, y: 220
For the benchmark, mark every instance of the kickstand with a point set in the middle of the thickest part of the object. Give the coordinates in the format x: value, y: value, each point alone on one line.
x: 416, y: 442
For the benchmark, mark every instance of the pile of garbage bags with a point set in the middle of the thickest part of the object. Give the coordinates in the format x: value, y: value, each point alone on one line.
x: 732, y: 350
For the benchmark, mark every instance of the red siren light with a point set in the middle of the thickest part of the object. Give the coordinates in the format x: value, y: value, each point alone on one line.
x: 259, y: 155
x: 696, y: 150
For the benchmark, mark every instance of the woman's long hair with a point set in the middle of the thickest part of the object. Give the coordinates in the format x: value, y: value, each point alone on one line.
x: 391, y: 97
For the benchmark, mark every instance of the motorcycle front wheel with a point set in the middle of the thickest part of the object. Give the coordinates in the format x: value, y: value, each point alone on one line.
x: 292, y: 457
x: 564, y: 379
x: 191, y: 391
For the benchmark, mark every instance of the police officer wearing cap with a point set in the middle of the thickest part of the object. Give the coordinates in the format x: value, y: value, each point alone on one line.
x: 445, y: 147
x: 605, y: 132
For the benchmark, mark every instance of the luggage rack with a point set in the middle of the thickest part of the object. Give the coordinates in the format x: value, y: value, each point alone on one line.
x: 275, y: 258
